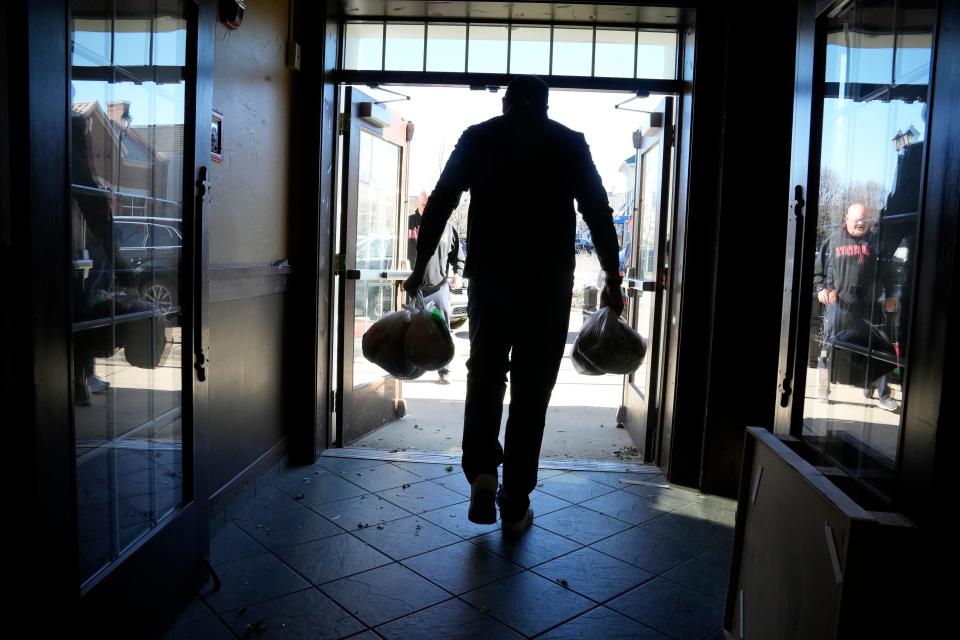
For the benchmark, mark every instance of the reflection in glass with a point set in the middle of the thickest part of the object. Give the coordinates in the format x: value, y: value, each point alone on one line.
x: 126, y: 168
x: 641, y: 258
x: 404, y: 47
x: 446, y: 47
x: 572, y: 51
x: 488, y: 49
x: 530, y: 50
x: 874, y: 131
x: 615, y: 49
x: 378, y: 238
x: 363, y: 45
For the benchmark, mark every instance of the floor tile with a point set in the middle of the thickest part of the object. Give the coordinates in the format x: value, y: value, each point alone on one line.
x: 603, y: 623
x: 305, y: 614
x: 384, y: 594
x: 406, y: 537
x: 462, y: 567
x: 593, y: 574
x: 528, y: 603
x: 379, y: 478
x: 573, y: 488
x: 648, y: 550
x: 581, y: 525
x: 332, y: 558
x: 359, y: 512
x: 668, y: 607
x: 450, y: 620
x: 421, y: 496
x: 249, y: 581
x: 534, y: 547
x: 289, y: 528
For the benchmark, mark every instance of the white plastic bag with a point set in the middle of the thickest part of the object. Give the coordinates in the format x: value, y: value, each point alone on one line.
x: 384, y: 343
x: 428, y: 343
x: 608, y: 345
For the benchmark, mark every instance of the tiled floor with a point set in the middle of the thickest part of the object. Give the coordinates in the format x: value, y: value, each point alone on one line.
x: 353, y: 548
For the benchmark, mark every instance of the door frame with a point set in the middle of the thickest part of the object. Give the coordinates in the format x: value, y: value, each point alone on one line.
x: 39, y: 239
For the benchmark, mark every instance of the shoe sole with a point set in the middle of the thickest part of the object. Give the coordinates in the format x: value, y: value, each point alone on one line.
x: 483, y: 494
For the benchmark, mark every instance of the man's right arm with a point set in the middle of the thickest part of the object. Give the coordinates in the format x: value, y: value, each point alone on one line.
x: 593, y: 205
x: 454, y: 180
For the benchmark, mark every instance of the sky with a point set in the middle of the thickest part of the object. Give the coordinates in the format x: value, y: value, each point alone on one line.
x: 440, y: 114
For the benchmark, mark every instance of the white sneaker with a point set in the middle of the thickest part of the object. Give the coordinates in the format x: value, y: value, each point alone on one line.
x: 888, y: 403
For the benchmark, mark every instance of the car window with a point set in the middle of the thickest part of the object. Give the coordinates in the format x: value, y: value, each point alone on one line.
x: 131, y: 235
x: 164, y: 236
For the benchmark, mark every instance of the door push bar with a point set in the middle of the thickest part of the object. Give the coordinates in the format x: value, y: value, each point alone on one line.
x: 374, y: 274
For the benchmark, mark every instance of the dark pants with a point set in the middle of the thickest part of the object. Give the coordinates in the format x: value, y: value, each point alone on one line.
x: 523, y: 329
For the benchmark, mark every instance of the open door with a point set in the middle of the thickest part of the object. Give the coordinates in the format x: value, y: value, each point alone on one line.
x: 647, y: 280
x: 373, y: 201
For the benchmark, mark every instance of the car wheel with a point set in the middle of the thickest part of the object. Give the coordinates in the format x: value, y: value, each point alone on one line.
x: 161, y: 294
x: 457, y: 322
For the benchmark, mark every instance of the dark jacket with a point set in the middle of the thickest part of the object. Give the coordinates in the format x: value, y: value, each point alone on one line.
x: 523, y: 174
x: 447, y: 255
x: 852, y: 267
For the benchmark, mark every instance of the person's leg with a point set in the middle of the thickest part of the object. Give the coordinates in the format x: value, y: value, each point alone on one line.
x: 441, y: 298
x: 823, y: 371
x: 490, y: 341
x: 534, y: 364
x: 886, y: 401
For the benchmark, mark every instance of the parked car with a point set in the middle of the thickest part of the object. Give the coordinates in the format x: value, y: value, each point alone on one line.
x: 147, y: 258
x: 583, y: 245
x: 458, y: 302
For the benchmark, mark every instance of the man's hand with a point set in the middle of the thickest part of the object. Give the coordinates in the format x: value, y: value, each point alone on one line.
x: 456, y: 282
x: 827, y: 297
x: 413, y: 283
x: 612, y: 297
x: 890, y: 305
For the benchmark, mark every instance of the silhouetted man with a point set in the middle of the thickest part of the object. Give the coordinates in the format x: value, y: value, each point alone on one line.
x: 523, y: 171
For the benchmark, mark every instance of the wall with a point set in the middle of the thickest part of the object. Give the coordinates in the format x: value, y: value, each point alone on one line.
x: 248, y: 223
x: 249, y: 215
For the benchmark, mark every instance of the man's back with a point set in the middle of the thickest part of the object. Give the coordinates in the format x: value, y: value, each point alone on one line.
x: 523, y: 174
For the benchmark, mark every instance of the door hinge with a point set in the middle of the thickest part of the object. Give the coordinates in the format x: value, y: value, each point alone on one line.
x: 340, y: 264
x: 671, y: 135
x: 343, y: 123
x: 334, y: 396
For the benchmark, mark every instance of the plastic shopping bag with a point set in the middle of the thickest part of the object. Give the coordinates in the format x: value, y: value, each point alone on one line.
x: 384, y: 345
x: 429, y: 344
x: 608, y: 345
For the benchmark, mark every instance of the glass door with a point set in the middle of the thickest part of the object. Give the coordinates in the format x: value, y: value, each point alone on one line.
x: 646, y: 260
x: 134, y: 253
x: 374, y: 193
x: 853, y: 297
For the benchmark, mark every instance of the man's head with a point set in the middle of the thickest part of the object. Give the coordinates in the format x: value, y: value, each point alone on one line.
x: 526, y: 95
x: 422, y: 200
x: 856, y: 221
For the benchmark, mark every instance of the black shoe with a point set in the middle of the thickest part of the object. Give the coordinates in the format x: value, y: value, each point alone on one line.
x: 483, y: 495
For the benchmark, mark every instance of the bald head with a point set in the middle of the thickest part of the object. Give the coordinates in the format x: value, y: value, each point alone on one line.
x: 856, y: 220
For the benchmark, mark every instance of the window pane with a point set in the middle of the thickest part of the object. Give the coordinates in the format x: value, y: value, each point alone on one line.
x: 363, y: 46
x: 614, y: 53
x: 488, y: 49
x: 572, y: 51
x: 405, y: 47
x: 446, y: 47
x: 874, y: 134
x: 530, y: 50
x: 378, y: 220
x: 657, y: 55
